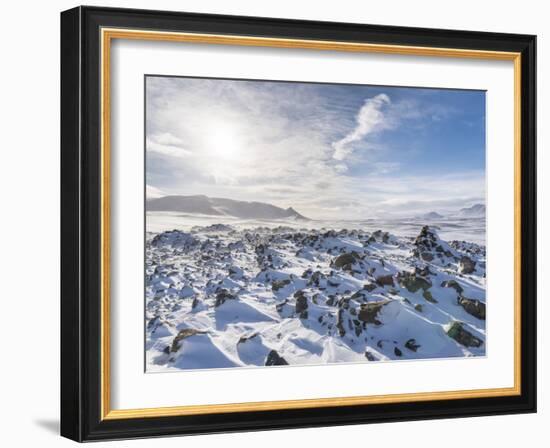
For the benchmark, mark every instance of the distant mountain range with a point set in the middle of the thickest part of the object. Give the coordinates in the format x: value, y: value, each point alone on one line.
x: 475, y: 211
x: 205, y: 205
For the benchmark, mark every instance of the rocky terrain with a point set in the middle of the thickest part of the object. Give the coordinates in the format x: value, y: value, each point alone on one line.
x: 218, y: 296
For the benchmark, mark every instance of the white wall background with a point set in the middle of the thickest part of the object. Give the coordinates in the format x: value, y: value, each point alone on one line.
x: 29, y: 177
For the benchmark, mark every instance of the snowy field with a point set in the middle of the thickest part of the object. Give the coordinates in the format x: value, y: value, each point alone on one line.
x: 223, y: 292
x: 449, y: 228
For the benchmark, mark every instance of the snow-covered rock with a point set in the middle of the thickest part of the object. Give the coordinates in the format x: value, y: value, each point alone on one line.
x: 221, y: 296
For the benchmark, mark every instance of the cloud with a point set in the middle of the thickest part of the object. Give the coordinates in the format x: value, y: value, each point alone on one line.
x: 166, y: 144
x: 209, y: 135
x: 370, y: 118
x: 294, y: 144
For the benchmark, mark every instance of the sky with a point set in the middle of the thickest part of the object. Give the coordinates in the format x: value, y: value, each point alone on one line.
x: 330, y: 151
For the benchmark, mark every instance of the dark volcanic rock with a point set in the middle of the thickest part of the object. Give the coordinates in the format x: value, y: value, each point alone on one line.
x: 452, y: 284
x: 423, y: 271
x: 385, y: 280
x: 359, y: 295
x: 474, y: 307
x: 175, y: 239
x: 316, y: 277
x: 369, y: 287
x: 428, y: 246
x: 426, y: 240
x: 413, y: 282
x: 463, y: 336
x: 429, y: 297
x: 185, y: 333
x: 381, y: 236
x: 345, y: 261
x: 330, y: 282
x: 466, y: 265
x: 340, y: 322
x: 412, y: 345
x: 278, y: 284
x: 274, y: 359
x: 368, y: 312
x: 370, y: 356
x: 223, y: 295
x: 301, y: 304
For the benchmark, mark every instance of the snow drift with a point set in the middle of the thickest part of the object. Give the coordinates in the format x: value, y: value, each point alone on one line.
x: 219, y: 296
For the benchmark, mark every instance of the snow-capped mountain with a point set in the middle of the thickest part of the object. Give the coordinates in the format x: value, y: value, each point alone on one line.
x: 475, y: 211
x: 221, y: 207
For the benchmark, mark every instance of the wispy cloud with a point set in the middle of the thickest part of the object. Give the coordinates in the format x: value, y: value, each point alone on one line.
x: 166, y: 144
x: 370, y: 118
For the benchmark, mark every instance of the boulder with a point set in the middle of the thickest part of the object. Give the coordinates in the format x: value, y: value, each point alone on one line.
x: 413, y: 282
x: 340, y: 323
x: 368, y: 312
x: 274, y: 359
x: 359, y: 295
x: 428, y: 246
x: 185, y: 333
x: 381, y: 236
x: 345, y: 261
x: 175, y: 239
x: 452, y: 284
x: 458, y: 332
x: 472, y: 306
x: 466, y: 265
x: 423, y: 271
x: 412, y: 345
x: 426, y: 239
x: 369, y: 287
x: 316, y: 277
x: 429, y: 297
x: 385, y: 280
x: 222, y: 295
x: 301, y: 304
x: 278, y: 284
x: 370, y: 356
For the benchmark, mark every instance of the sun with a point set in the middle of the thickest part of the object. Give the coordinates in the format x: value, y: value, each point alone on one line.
x: 223, y: 141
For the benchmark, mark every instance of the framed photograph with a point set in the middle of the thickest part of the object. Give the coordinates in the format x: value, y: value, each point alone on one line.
x: 273, y: 223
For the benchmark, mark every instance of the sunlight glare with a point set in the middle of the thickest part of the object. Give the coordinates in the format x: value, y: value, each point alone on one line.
x: 224, y: 141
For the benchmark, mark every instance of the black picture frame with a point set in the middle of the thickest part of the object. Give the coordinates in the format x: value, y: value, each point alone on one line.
x: 81, y: 224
